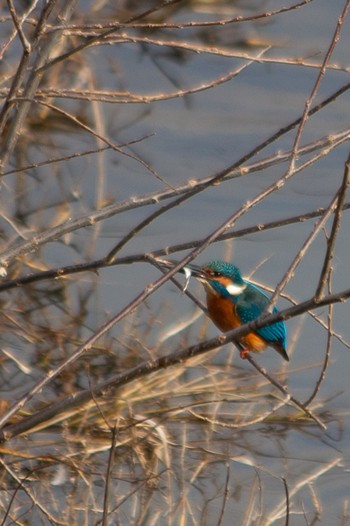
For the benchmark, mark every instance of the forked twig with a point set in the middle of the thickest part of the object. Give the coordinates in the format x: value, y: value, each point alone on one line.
x: 284, y: 390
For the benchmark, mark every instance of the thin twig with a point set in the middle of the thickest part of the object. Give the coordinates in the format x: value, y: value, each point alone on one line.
x: 108, y: 476
x: 316, y: 86
x: 327, y: 356
x: 284, y: 390
x: 335, y: 229
x: 18, y: 25
x: 225, y: 497
x: 148, y: 25
x: 287, y: 500
x: 305, y: 247
x: 94, y: 133
x: 32, y: 496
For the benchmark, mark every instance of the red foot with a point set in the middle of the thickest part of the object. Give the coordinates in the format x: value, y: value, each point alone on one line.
x: 244, y: 353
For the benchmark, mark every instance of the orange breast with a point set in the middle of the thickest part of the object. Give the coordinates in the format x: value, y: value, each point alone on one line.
x: 222, y: 312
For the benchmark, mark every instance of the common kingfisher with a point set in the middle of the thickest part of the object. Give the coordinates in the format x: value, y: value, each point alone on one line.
x: 233, y: 301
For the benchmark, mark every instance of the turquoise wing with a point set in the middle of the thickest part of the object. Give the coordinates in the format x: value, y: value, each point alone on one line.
x: 250, y: 305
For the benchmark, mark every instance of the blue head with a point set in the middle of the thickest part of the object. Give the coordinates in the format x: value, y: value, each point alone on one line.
x: 223, y: 269
x: 220, y: 278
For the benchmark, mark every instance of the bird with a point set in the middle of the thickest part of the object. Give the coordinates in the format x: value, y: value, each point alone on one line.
x: 233, y: 301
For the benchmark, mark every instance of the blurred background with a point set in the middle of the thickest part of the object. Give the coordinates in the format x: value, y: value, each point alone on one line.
x: 111, y: 110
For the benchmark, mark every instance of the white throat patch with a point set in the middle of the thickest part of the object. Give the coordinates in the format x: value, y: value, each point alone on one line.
x: 235, y: 290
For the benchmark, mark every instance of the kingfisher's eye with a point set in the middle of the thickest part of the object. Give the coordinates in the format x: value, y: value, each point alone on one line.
x: 214, y: 274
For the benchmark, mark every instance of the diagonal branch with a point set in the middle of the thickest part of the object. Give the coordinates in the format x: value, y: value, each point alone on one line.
x: 145, y: 368
x: 335, y: 229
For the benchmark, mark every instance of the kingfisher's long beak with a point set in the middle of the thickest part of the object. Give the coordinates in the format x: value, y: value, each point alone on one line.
x: 189, y: 270
x: 196, y: 272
